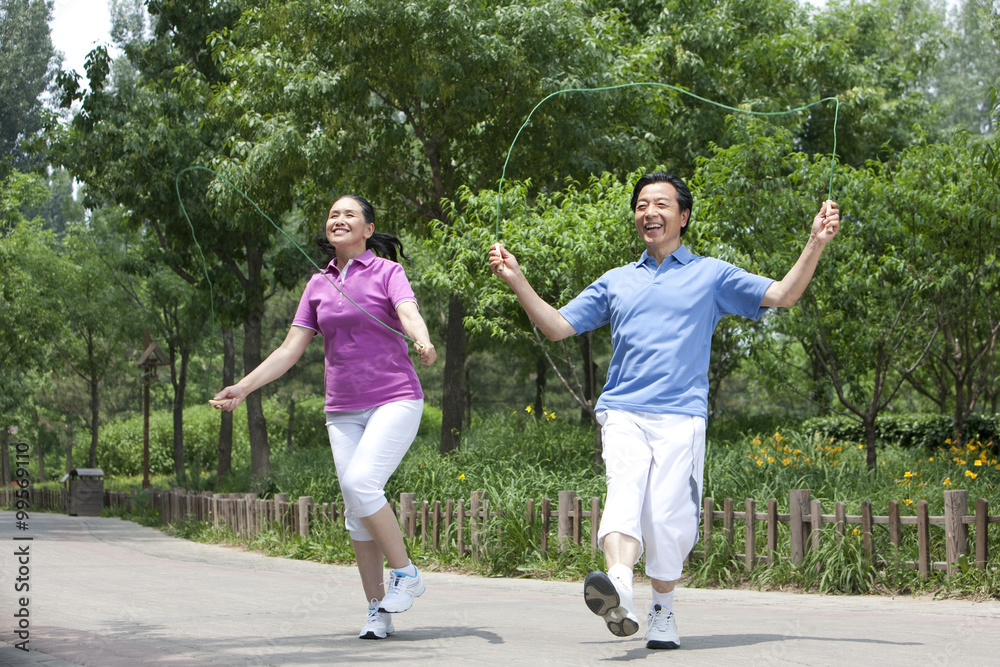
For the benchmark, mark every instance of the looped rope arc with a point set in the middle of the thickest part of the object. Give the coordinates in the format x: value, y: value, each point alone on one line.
x: 655, y: 84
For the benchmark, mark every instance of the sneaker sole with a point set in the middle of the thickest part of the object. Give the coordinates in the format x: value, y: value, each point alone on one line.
x: 662, y: 645
x: 371, y: 634
x: 414, y: 593
x: 601, y: 597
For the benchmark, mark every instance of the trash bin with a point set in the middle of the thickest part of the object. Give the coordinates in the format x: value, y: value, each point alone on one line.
x: 86, y: 491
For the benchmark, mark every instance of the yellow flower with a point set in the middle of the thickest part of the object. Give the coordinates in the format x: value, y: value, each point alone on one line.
x: 527, y: 409
x: 461, y: 478
x: 969, y: 473
x: 908, y: 501
x: 947, y: 481
x: 907, y: 474
x: 977, y: 462
x: 947, y: 441
x: 786, y: 461
x: 760, y: 463
x: 930, y: 459
x: 552, y: 415
x: 856, y: 532
x: 755, y: 442
x: 770, y: 459
x: 861, y: 446
x: 972, y: 447
x: 797, y: 451
x: 778, y: 436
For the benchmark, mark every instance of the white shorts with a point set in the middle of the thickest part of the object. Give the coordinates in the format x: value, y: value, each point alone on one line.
x: 654, y: 465
x: 367, y: 448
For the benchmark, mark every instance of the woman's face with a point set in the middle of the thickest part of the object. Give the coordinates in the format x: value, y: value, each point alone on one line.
x: 346, y: 226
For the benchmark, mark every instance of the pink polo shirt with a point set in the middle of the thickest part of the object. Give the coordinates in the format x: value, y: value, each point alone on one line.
x: 366, y: 364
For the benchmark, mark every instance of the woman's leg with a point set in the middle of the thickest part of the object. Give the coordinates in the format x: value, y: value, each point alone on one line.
x: 370, y: 559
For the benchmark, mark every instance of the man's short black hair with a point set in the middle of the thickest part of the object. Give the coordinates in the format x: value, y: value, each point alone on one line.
x: 684, y: 199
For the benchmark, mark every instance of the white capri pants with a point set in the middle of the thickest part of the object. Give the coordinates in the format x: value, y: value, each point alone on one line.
x: 654, y: 466
x: 367, y: 448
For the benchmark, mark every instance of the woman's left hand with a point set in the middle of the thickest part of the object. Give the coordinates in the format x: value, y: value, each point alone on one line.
x: 426, y: 351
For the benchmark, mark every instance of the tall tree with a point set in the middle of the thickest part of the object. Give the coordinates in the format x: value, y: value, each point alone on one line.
x: 27, y: 67
x: 149, y: 126
x: 863, y: 316
x: 409, y: 112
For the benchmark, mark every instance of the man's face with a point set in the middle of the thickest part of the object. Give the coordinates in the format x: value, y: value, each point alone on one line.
x: 658, y: 218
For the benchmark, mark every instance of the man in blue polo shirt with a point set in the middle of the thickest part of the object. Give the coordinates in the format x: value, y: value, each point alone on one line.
x: 662, y: 310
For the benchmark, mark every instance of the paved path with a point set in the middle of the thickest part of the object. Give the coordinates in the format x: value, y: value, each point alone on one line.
x: 110, y: 593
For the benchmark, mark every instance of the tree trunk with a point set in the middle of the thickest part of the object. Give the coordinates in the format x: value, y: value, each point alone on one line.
x: 226, y: 428
x: 541, y: 366
x: 180, y: 384
x: 5, y: 475
x: 291, y: 425
x: 959, y: 416
x: 95, y: 419
x: 453, y: 391
x: 869, y: 424
x: 40, y: 454
x: 589, y: 371
x: 260, y: 456
x: 590, y: 394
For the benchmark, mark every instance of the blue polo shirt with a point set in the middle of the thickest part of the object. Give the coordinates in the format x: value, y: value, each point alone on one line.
x: 662, y: 319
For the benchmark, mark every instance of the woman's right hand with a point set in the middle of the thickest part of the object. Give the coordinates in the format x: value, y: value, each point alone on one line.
x: 228, y: 399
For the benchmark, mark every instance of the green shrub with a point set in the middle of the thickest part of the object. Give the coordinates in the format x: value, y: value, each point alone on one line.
x: 925, y: 431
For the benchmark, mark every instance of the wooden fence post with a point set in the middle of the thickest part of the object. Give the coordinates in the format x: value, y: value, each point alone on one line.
x: 595, y: 523
x: 564, y: 526
x: 474, y: 506
x: 895, y: 527
x: 727, y: 520
x: 923, y: 539
x: 279, y: 510
x: 750, y: 536
x: 956, y: 533
x: 772, y: 529
x: 816, y: 523
x: 982, y: 543
x: 405, y: 508
x: 798, y: 513
x: 546, y: 520
x: 461, y: 526
x: 840, y: 512
x: 867, y: 540
x: 436, y: 532
x: 305, y: 505
x: 707, y: 518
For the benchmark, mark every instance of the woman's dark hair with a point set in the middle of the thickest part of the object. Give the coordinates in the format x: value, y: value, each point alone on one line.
x: 684, y: 199
x: 383, y: 245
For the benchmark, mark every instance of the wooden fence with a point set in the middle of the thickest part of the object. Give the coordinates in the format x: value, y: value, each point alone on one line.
x: 465, y: 526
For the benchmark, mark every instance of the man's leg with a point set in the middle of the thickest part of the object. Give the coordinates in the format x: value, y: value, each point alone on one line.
x: 670, y: 525
x: 627, y: 458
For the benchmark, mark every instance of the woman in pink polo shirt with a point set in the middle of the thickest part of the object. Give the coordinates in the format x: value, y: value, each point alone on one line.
x: 373, y: 397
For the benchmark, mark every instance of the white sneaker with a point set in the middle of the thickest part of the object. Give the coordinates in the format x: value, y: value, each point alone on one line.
x: 402, y: 589
x: 612, y: 599
x: 662, y: 631
x: 379, y: 625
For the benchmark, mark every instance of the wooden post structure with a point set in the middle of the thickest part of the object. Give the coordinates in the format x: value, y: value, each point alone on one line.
x: 982, y: 522
x: 151, y: 357
x: 564, y: 529
x: 798, y: 514
x: 406, y: 503
x: 956, y: 533
x: 923, y: 540
x: 750, y: 536
x: 305, y: 504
